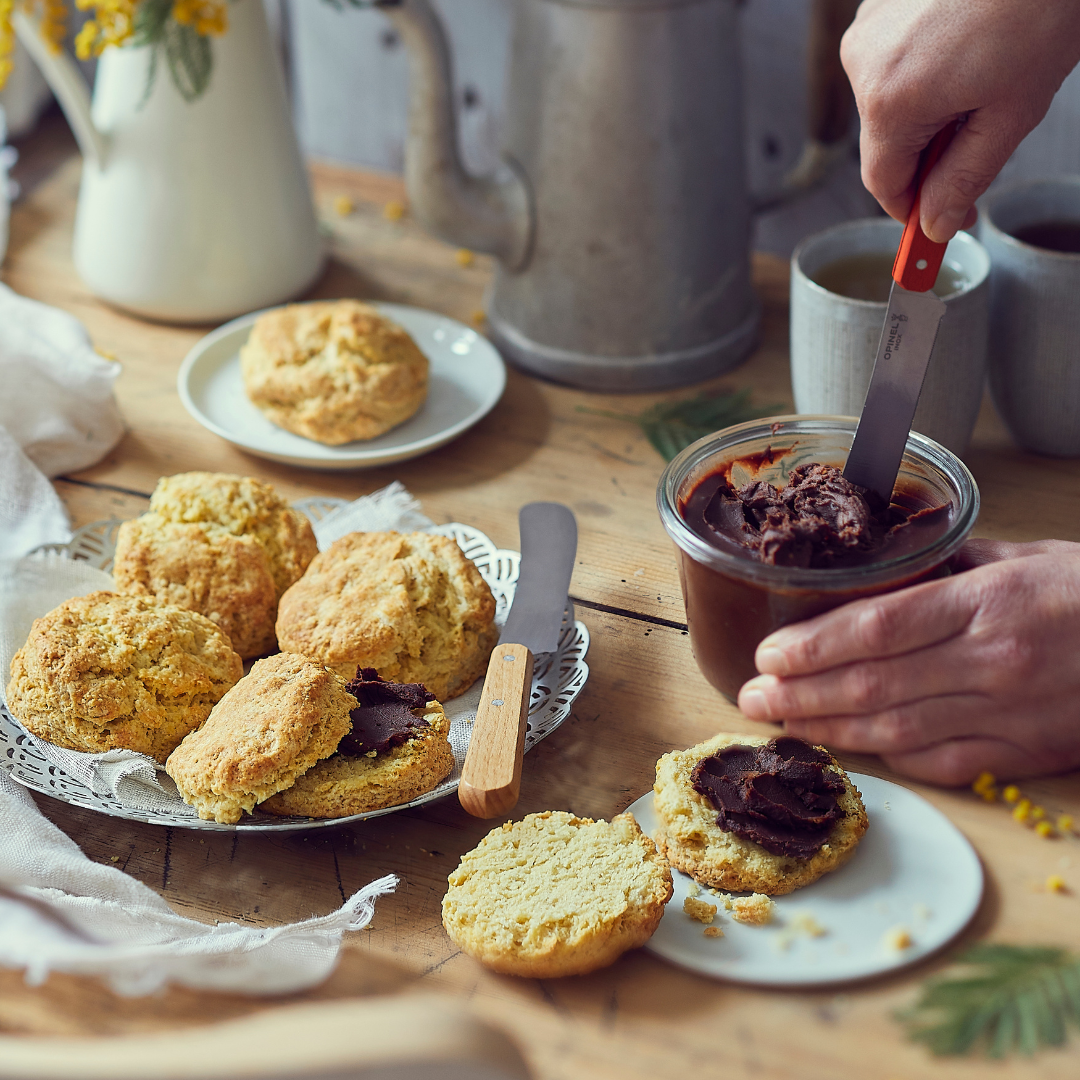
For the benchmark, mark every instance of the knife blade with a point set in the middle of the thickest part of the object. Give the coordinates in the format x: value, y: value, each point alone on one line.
x: 912, y: 317
x: 491, y: 777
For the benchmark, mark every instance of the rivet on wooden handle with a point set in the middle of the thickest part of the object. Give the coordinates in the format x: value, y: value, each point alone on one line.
x: 491, y: 778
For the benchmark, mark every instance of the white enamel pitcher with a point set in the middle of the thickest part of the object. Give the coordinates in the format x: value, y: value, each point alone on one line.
x: 188, y: 211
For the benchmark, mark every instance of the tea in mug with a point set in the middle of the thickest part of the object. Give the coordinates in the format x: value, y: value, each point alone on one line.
x: 1061, y: 236
x: 869, y: 277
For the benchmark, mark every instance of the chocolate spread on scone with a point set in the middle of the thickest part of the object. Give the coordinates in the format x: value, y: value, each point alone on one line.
x: 781, y: 795
x: 384, y: 717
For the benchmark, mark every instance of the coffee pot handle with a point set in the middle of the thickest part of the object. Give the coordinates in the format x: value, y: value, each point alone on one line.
x: 830, y: 105
x: 68, y: 84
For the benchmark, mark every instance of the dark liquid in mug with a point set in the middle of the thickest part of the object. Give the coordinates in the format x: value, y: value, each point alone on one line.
x: 869, y: 277
x: 1051, y: 235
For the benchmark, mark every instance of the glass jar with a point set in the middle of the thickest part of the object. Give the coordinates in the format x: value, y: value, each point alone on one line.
x: 732, y: 600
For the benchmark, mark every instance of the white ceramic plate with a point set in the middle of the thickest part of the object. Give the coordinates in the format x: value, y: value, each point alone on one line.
x: 913, y: 869
x: 467, y: 379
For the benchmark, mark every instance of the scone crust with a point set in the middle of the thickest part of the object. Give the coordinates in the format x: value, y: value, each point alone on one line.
x: 333, y: 371
x: 203, y: 568
x: 225, y: 546
x: 340, y: 786
x: 554, y: 894
x: 411, y: 606
x: 282, y: 717
x: 690, y: 839
x: 106, y: 671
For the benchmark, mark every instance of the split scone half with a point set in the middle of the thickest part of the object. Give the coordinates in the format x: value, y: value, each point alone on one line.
x: 286, y: 714
x: 556, y: 894
x: 225, y: 546
x: 397, y: 750
x: 333, y: 370
x: 104, y: 671
x: 797, y: 801
x: 412, y: 606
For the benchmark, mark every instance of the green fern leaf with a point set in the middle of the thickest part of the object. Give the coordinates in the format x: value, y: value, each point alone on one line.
x: 671, y: 426
x: 1012, y: 1000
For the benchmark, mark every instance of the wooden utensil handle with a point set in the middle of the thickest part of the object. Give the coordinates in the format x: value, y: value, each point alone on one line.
x: 918, y: 258
x: 491, y: 777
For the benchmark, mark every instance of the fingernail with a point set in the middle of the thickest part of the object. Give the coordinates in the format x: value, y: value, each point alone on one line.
x: 753, y: 703
x: 945, y: 226
x: 753, y: 700
x: 771, y: 659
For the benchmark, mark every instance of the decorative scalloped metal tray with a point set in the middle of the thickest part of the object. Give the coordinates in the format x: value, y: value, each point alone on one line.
x: 557, y: 681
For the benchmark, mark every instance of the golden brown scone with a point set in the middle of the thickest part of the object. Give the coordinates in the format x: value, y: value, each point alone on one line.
x: 222, y: 545
x: 411, y: 606
x: 282, y: 717
x: 689, y: 838
x: 555, y: 895
x: 340, y: 785
x: 106, y: 671
x: 333, y: 371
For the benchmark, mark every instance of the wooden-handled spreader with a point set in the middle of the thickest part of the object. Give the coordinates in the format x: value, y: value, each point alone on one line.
x: 491, y: 778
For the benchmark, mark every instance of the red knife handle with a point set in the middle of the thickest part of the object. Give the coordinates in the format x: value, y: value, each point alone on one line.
x: 919, y: 258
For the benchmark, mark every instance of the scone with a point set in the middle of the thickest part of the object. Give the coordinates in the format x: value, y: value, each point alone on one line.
x: 555, y: 895
x: 397, y: 749
x: 333, y: 371
x: 412, y: 607
x: 224, y: 546
x: 282, y: 717
x: 789, y: 813
x: 106, y: 671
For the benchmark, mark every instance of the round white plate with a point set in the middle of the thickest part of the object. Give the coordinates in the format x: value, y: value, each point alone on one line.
x: 913, y: 870
x: 467, y: 379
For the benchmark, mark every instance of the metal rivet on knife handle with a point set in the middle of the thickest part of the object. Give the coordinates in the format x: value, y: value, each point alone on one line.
x: 491, y: 777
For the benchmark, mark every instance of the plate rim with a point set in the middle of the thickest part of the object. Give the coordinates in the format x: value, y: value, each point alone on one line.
x: 356, y: 458
x: 809, y: 983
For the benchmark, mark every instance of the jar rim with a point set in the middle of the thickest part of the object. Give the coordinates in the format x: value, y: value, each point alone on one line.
x: 919, y: 449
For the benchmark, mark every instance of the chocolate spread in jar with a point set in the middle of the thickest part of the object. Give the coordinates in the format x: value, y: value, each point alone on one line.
x: 728, y: 612
x: 781, y: 795
x: 819, y: 519
x: 384, y: 717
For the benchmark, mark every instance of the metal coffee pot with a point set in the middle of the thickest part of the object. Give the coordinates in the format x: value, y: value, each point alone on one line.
x: 621, y: 217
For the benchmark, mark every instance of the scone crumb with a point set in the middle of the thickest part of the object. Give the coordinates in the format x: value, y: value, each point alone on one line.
x: 692, y: 888
x: 698, y: 909
x: 807, y: 924
x: 713, y: 931
x: 898, y: 939
x: 755, y: 910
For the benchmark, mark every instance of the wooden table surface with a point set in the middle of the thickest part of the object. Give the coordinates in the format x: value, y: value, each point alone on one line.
x: 642, y: 1017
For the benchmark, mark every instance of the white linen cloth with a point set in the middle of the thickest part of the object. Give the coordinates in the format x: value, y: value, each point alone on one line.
x: 57, y: 414
x: 59, y: 911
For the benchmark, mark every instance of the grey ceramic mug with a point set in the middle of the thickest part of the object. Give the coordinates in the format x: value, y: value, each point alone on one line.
x: 1035, y: 317
x: 834, y: 338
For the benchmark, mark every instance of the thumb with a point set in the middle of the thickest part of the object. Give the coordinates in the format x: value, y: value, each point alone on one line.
x: 965, y: 170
